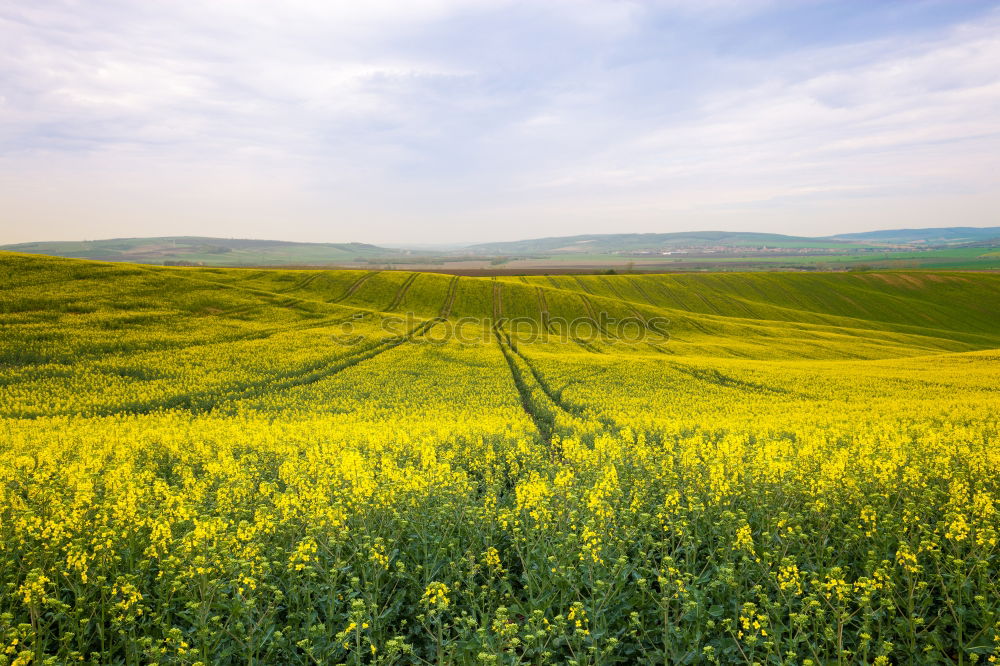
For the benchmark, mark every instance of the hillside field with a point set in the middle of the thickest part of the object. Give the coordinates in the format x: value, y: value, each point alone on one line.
x: 222, y: 465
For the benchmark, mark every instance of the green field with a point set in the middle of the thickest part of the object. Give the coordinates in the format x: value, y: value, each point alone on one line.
x: 224, y: 465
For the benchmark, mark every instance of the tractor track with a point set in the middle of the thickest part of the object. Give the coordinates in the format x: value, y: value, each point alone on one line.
x: 350, y: 291
x: 543, y: 410
x: 543, y: 419
x: 302, y: 284
x: 449, y: 298
x: 543, y: 310
x: 497, y: 301
x: 211, y: 399
x: 401, y: 292
x: 550, y: 327
x: 592, y: 313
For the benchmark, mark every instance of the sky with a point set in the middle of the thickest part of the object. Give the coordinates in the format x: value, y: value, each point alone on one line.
x: 439, y: 121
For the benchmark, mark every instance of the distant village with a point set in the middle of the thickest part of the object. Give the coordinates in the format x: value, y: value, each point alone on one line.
x: 751, y: 251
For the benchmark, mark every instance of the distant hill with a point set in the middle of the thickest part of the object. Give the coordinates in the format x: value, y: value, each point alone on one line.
x: 209, y: 251
x: 940, y: 235
x: 603, y: 243
x: 734, y: 241
x: 949, y: 247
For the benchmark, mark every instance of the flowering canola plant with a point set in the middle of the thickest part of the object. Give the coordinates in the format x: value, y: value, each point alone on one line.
x: 220, y: 480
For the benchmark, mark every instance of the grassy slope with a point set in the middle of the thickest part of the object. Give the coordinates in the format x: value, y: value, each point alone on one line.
x: 748, y: 315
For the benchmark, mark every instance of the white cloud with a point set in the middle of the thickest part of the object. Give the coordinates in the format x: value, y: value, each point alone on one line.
x: 851, y: 128
x: 430, y: 118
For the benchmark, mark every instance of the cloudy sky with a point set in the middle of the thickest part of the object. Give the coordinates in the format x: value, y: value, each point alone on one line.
x: 430, y: 121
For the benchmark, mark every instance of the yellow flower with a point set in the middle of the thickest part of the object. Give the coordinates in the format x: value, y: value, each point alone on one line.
x: 436, y: 595
x: 744, y: 540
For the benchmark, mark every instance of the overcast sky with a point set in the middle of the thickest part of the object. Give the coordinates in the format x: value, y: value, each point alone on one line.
x: 423, y: 121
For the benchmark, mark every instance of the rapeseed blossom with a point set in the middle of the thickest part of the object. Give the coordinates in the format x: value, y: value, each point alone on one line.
x: 236, y: 488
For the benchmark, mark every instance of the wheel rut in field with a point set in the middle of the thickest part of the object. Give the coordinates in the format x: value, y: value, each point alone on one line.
x: 497, y: 301
x: 401, y: 292
x: 583, y: 285
x: 552, y: 329
x: 713, y: 376
x: 554, y: 396
x: 350, y: 291
x: 646, y: 324
x: 592, y: 314
x: 543, y: 310
x: 541, y: 417
x: 545, y: 406
x: 449, y: 298
x: 208, y: 400
x: 269, y: 298
x: 303, y: 283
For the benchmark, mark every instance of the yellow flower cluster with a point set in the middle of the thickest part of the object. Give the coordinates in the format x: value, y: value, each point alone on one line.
x: 436, y: 595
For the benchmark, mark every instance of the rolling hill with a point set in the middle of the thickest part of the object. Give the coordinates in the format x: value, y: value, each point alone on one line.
x: 603, y: 243
x: 936, y: 236
x: 736, y: 315
x: 208, y: 251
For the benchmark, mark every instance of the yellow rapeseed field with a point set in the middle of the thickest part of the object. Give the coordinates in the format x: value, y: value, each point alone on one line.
x: 207, y: 466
